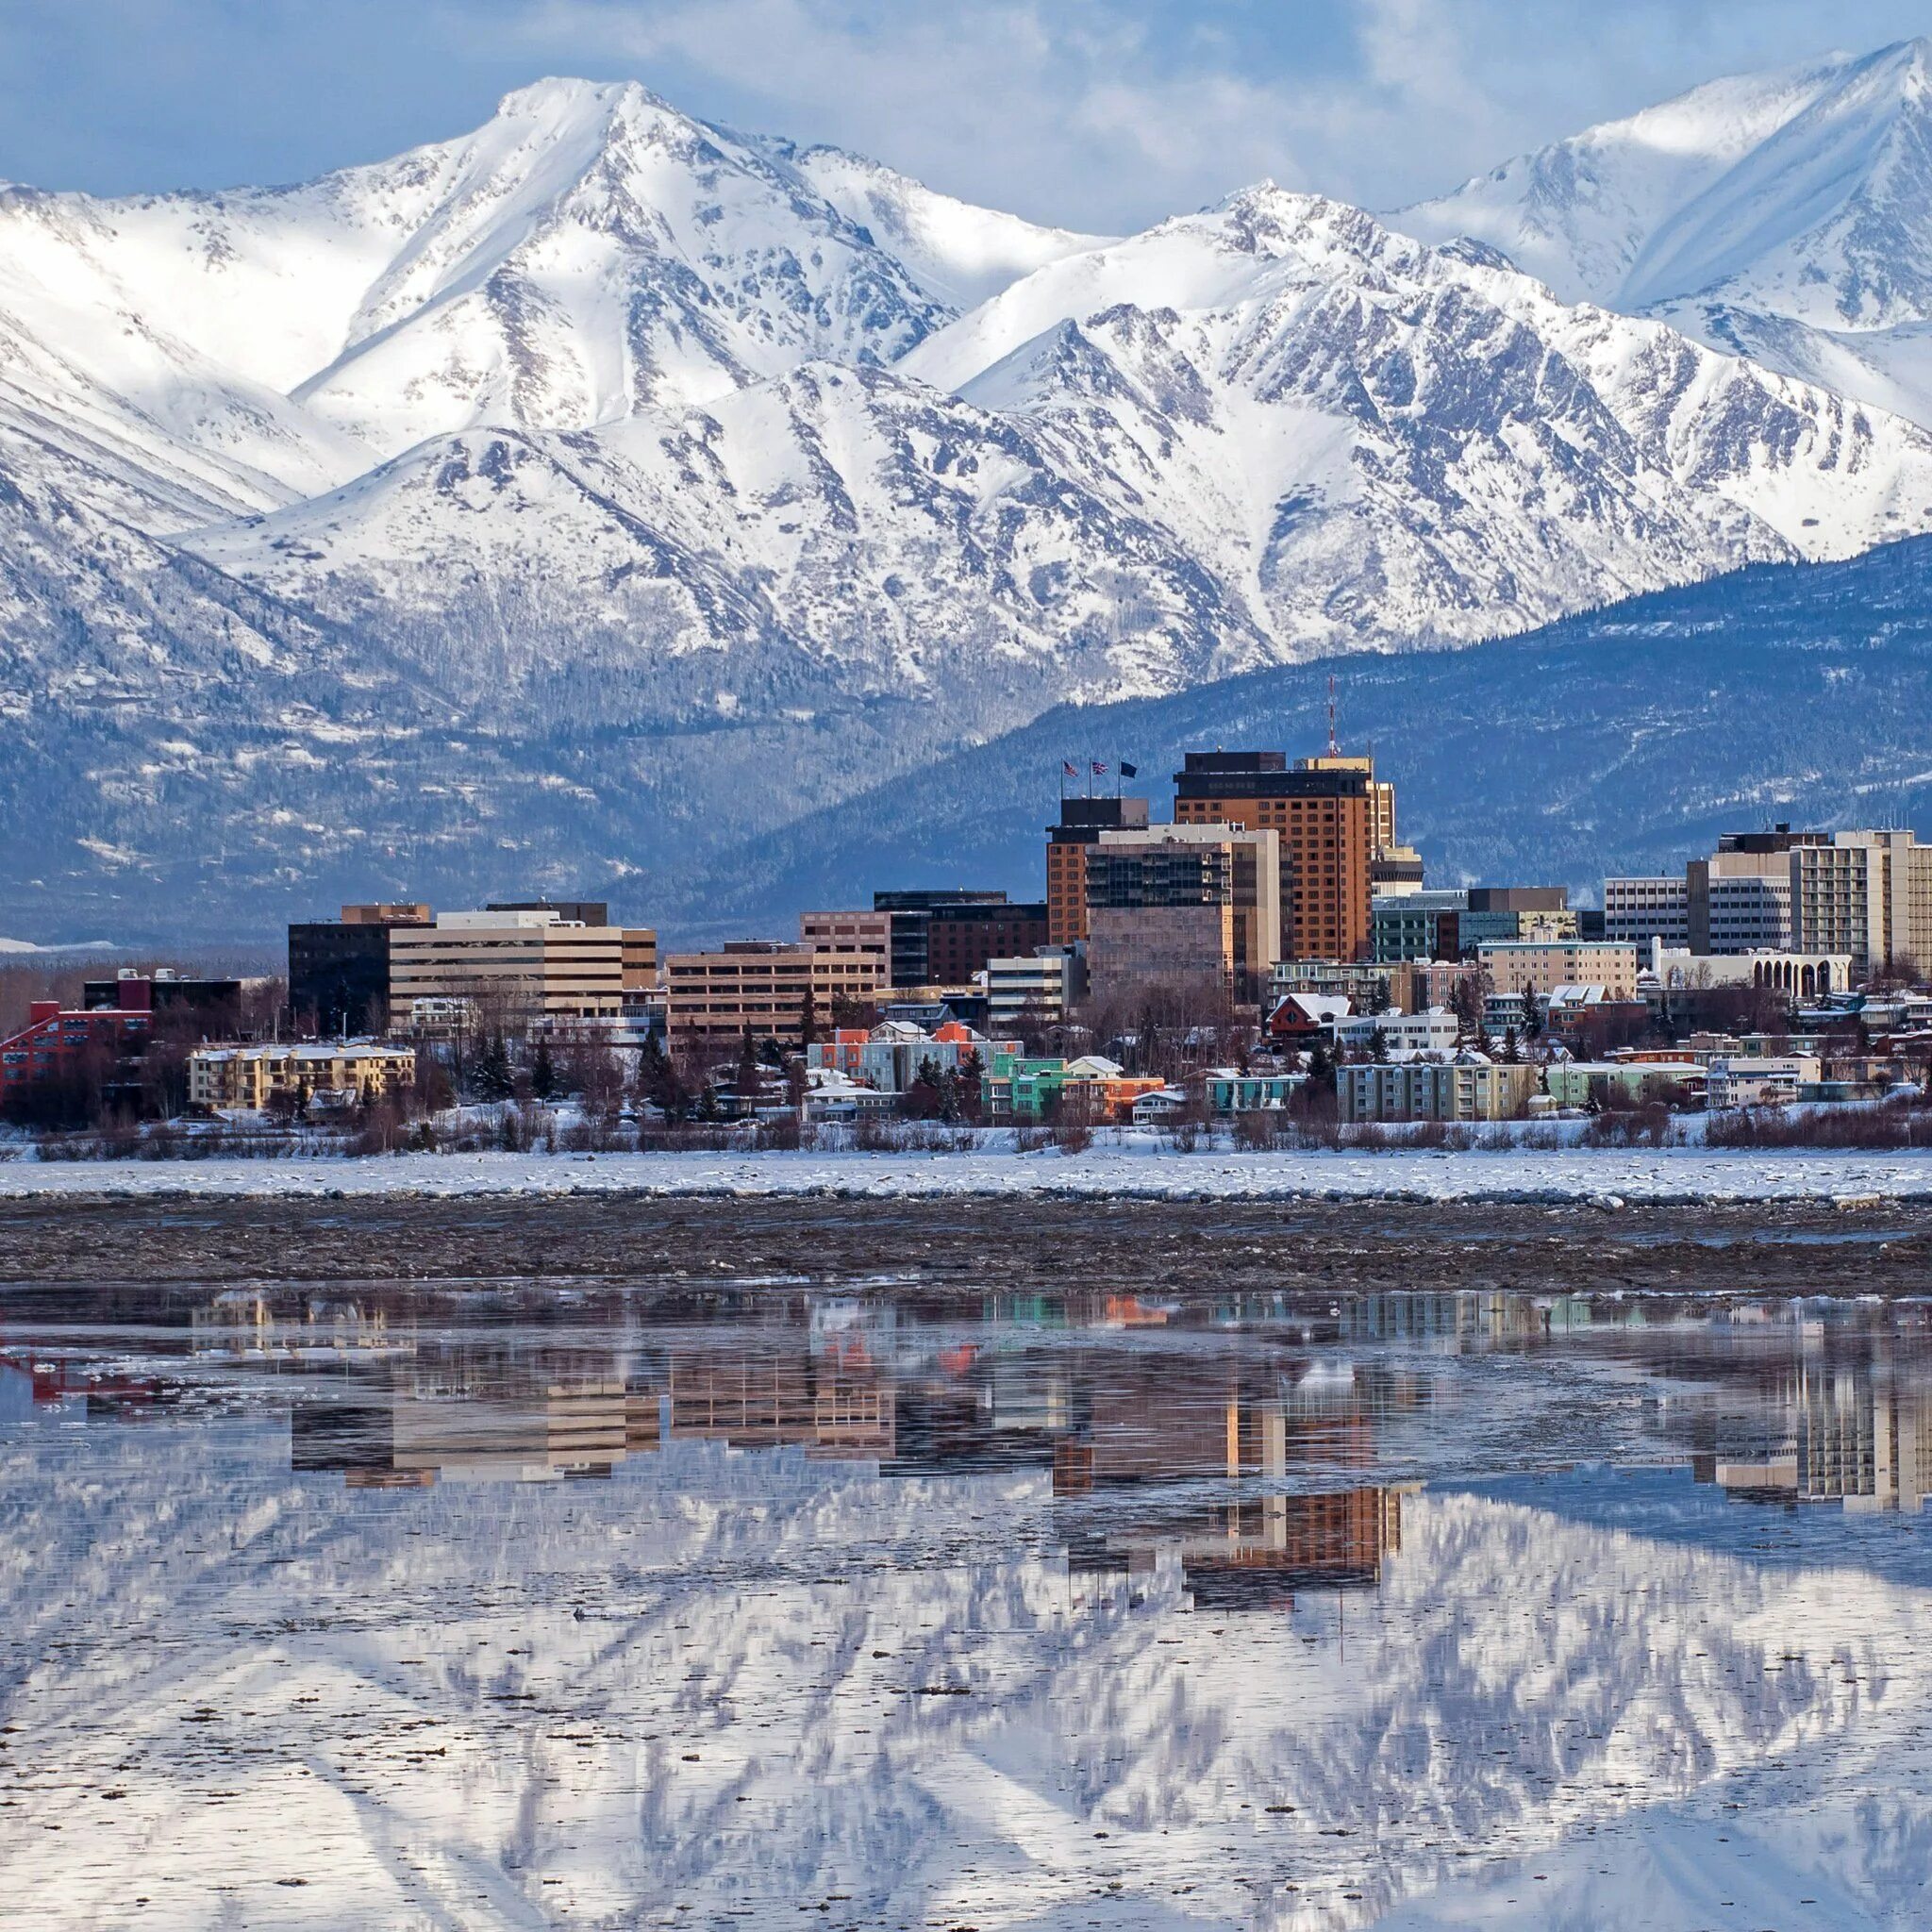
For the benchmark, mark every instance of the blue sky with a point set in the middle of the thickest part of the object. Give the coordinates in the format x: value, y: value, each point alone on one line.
x: 1098, y: 113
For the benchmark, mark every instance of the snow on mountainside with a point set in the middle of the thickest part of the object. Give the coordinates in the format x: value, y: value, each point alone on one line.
x: 959, y: 253
x: 1786, y: 217
x: 1374, y: 438
x: 606, y: 448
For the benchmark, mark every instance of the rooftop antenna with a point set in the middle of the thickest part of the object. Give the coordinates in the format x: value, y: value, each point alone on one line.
x: 1334, y: 749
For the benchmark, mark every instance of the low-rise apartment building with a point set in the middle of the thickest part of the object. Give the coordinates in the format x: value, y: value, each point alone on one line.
x: 250, y: 1077
x: 1537, y: 965
x: 1622, y: 1083
x: 765, y: 987
x: 1468, y: 1088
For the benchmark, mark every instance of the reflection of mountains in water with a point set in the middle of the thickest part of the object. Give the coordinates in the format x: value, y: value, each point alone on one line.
x: 738, y: 1720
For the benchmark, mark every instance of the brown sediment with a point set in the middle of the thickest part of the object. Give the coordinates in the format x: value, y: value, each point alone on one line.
x: 973, y: 1246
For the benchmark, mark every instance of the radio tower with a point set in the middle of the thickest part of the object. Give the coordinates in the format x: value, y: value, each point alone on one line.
x: 1334, y: 749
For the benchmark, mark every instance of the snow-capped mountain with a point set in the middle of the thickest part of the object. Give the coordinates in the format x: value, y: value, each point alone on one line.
x: 1786, y: 217
x: 605, y: 448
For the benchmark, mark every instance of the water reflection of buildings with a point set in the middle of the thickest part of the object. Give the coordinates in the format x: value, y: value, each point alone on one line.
x: 1826, y: 1433
x: 1154, y: 1455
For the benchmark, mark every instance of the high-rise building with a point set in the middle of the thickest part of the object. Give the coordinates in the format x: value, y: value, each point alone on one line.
x: 1867, y: 895
x: 1324, y: 819
x: 338, y: 969
x: 1081, y: 823
x: 1183, y: 904
x: 1739, y: 900
x: 912, y: 912
x: 1381, y: 794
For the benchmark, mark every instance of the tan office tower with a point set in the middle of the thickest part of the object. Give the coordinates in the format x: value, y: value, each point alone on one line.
x: 1178, y: 903
x: 1326, y: 822
x: 510, y: 968
x: 1867, y: 895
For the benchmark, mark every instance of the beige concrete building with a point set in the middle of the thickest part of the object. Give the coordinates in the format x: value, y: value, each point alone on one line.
x: 1867, y: 895
x: 514, y: 968
x: 1522, y: 966
x: 1183, y: 903
x: 225, y: 1077
x: 1467, y: 1089
x: 848, y: 932
x: 764, y: 985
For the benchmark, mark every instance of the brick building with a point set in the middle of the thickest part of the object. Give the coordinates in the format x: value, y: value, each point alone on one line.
x: 1324, y: 819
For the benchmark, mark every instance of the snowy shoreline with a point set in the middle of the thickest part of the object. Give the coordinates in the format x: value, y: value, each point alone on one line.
x: 1608, y: 1178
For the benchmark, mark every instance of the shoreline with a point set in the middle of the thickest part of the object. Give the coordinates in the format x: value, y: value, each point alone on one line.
x: 1602, y: 1178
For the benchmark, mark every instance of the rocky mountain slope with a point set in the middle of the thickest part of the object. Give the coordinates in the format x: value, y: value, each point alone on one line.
x: 1786, y: 217
x: 600, y: 490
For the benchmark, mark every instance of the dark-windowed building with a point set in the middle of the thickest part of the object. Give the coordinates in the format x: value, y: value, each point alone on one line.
x: 1068, y: 847
x: 339, y: 968
x: 911, y: 911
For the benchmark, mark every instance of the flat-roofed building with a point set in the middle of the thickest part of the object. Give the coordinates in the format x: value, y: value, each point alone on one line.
x: 1417, y: 925
x: 765, y: 986
x: 1040, y: 986
x: 1324, y: 819
x: 1867, y: 895
x: 1653, y: 907
x: 1193, y: 904
x: 1739, y: 899
x: 513, y: 969
x: 849, y: 932
x: 1527, y: 966
x: 339, y: 968
x: 959, y: 940
x: 911, y: 910
x: 1081, y: 823
x: 251, y: 1075
x: 1468, y: 1087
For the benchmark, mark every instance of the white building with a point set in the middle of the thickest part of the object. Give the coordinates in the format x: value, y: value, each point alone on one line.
x: 1638, y: 911
x: 1434, y: 1031
x: 1761, y: 1081
x: 1041, y: 988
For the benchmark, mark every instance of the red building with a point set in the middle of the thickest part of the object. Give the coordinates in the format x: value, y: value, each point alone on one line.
x: 52, y: 1037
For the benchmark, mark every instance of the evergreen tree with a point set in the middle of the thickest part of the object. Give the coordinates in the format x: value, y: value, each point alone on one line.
x: 493, y: 1077
x: 808, y: 1019
x: 1511, y: 1053
x: 543, y: 1073
x: 1321, y: 1068
x: 747, y: 1081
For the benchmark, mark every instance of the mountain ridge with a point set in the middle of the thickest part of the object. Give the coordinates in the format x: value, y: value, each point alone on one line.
x: 606, y: 488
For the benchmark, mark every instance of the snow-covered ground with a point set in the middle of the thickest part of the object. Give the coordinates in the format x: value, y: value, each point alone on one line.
x: 1132, y: 1169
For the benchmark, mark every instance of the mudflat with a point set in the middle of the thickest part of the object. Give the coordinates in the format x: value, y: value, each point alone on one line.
x: 968, y: 1245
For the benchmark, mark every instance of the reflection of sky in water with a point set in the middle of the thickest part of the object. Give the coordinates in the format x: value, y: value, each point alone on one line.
x: 1433, y: 1612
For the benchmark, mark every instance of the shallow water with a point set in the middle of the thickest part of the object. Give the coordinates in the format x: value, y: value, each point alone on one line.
x: 521, y: 1604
